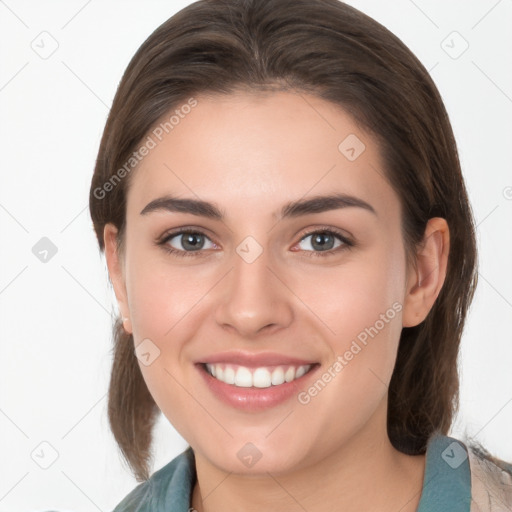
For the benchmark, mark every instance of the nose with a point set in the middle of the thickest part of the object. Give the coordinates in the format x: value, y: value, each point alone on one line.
x: 254, y: 298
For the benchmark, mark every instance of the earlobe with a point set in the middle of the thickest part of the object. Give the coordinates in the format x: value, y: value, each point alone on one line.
x: 424, y: 283
x: 115, y: 270
x: 127, y: 325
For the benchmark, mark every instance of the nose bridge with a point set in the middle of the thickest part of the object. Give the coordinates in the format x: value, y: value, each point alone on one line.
x: 253, y: 297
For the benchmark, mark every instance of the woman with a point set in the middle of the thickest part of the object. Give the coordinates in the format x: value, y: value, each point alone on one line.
x: 287, y: 230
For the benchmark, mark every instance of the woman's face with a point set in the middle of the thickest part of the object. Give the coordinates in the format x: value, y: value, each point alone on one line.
x: 258, y: 288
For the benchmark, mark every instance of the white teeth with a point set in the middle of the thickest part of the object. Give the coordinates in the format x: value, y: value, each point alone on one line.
x: 211, y: 369
x: 290, y: 374
x: 243, y: 377
x: 229, y: 375
x: 300, y: 372
x: 277, y: 376
x: 263, y: 377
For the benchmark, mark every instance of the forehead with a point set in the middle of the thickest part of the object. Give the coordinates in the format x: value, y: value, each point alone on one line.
x: 237, y: 149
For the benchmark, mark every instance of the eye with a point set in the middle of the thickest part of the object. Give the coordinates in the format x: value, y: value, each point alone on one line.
x: 323, y: 242
x: 185, y: 242
x: 192, y: 242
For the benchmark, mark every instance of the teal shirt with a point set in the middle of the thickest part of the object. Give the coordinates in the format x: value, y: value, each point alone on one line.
x: 446, y: 484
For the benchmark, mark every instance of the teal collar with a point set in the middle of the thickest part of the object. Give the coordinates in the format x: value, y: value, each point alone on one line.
x: 447, y: 480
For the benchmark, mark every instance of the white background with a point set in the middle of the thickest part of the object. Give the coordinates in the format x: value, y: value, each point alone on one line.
x: 55, y: 319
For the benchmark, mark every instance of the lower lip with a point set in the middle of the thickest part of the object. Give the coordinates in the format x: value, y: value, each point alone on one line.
x: 255, y: 399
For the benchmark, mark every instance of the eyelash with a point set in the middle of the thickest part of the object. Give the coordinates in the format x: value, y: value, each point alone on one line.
x: 347, y: 244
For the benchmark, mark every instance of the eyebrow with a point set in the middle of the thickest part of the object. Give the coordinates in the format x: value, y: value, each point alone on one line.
x: 316, y: 204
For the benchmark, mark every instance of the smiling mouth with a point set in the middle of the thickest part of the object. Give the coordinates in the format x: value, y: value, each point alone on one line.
x: 260, y: 377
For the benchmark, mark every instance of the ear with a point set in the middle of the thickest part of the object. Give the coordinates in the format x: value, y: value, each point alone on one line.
x: 425, y: 282
x: 116, y: 273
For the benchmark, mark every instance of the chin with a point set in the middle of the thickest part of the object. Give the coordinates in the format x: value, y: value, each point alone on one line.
x: 258, y: 457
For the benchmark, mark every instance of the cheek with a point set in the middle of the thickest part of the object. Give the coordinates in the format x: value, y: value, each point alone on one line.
x: 360, y: 308
x: 161, y: 295
x: 359, y: 305
x: 352, y: 296
x: 162, y: 299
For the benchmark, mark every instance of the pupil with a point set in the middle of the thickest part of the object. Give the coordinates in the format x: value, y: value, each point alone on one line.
x: 189, y: 243
x: 320, y: 240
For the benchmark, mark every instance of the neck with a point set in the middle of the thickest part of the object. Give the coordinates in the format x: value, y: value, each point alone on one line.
x: 366, y: 473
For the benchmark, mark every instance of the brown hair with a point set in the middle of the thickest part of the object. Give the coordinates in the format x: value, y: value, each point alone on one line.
x: 331, y: 50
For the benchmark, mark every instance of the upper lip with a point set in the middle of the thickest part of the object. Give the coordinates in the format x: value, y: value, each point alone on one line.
x: 254, y: 360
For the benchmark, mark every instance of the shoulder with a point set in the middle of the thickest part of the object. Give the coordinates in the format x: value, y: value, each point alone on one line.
x: 461, y: 475
x: 168, y: 487
x: 491, y: 480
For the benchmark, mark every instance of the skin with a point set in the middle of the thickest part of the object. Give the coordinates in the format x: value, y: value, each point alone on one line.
x: 250, y: 154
